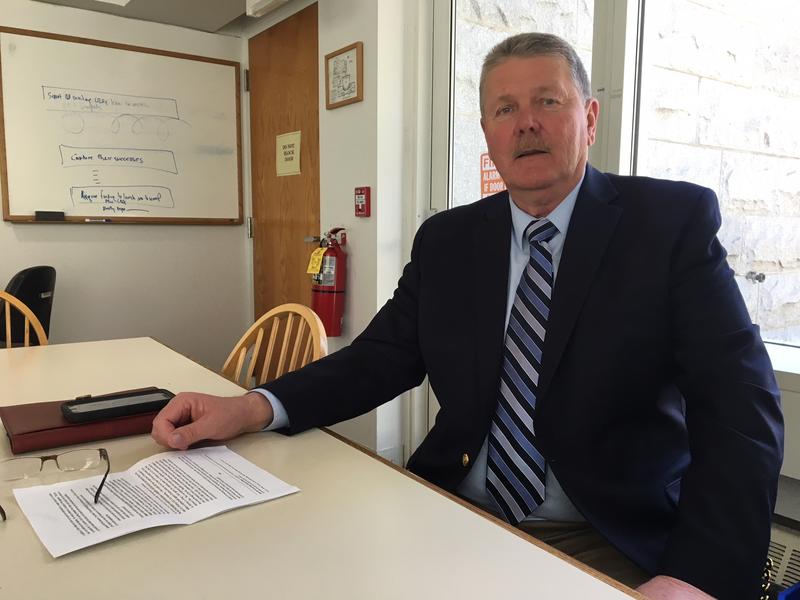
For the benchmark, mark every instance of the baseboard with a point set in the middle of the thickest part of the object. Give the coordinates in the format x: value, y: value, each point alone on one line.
x: 393, y: 454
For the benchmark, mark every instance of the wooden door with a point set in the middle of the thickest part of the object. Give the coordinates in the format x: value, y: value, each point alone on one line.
x: 284, y: 97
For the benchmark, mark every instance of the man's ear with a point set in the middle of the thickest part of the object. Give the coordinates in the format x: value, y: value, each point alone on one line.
x: 592, y: 112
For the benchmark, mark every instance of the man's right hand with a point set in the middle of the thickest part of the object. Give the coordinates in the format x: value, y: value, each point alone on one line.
x: 191, y: 417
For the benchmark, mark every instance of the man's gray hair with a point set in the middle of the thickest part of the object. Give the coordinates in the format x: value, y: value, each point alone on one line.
x: 526, y: 45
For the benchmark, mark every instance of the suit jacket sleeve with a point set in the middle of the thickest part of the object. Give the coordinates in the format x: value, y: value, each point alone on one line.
x: 733, y: 418
x: 381, y: 363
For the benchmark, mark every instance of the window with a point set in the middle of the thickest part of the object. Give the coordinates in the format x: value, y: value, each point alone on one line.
x: 720, y: 99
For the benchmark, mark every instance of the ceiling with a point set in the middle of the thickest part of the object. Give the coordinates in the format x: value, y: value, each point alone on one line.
x: 205, y: 15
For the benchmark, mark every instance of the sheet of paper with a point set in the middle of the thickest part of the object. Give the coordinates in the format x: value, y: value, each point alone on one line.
x: 166, y: 489
x: 287, y: 153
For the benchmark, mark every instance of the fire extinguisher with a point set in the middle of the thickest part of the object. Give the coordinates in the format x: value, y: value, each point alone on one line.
x: 328, y: 268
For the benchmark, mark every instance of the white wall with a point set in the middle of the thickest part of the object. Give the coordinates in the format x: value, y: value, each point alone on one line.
x: 191, y: 287
x: 188, y: 286
x: 786, y: 362
x: 368, y: 144
x: 362, y: 144
x: 348, y: 144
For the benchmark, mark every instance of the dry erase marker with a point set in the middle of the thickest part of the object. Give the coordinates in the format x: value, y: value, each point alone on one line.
x: 97, y: 220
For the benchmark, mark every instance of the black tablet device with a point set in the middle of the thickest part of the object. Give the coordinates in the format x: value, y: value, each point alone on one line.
x: 109, y: 406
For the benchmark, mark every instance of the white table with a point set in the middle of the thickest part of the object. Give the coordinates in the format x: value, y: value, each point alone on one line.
x: 358, y: 529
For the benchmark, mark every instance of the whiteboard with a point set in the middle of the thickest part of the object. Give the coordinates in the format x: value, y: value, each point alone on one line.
x: 109, y: 133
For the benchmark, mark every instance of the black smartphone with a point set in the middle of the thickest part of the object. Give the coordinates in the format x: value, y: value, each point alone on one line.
x: 108, y: 406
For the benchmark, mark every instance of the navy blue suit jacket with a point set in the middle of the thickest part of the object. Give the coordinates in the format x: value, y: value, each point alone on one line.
x: 658, y: 409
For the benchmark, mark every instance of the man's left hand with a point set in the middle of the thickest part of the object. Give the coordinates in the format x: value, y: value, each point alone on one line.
x: 662, y: 587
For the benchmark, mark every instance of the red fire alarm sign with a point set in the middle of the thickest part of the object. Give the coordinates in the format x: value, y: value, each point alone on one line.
x: 362, y: 201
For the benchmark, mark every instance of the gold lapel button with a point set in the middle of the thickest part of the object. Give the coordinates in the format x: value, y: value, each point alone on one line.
x: 464, y: 459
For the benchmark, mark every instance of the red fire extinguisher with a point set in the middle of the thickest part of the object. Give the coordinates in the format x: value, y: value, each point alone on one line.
x: 328, y: 280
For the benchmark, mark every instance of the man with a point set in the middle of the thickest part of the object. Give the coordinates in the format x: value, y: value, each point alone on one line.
x: 601, y: 384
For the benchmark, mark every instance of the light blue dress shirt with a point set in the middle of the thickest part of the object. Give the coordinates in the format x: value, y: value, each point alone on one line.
x: 556, y: 505
x: 279, y: 417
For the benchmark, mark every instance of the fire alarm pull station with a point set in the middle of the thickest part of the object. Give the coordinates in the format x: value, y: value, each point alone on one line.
x: 362, y: 201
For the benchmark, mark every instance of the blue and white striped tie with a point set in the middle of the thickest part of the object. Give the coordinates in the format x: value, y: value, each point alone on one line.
x: 516, y: 469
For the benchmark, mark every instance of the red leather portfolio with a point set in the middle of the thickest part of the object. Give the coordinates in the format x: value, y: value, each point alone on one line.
x: 41, y: 425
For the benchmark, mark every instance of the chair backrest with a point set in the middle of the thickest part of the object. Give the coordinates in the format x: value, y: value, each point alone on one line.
x: 9, y: 302
x: 284, y: 339
x: 35, y: 287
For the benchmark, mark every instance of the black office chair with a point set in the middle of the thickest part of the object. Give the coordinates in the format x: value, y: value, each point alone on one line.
x: 35, y: 287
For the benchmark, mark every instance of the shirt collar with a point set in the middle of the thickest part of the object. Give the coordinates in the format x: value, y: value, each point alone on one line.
x: 560, y: 216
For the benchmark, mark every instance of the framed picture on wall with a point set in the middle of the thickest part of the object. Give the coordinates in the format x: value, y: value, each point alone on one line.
x: 344, y: 76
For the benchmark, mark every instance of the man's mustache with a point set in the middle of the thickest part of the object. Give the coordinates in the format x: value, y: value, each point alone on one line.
x: 529, y: 145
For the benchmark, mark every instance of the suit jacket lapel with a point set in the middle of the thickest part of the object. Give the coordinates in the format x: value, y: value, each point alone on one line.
x: 590, y: 229
x: 491, y: 239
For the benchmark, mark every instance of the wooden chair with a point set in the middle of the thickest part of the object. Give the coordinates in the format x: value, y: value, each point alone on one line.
x: 7, y: 301
x: 284, y: 339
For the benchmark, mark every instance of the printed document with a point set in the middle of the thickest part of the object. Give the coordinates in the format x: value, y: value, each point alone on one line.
x: 171, y: 488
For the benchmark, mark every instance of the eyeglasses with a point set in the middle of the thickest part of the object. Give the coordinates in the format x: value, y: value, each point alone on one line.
x: 25, y: 467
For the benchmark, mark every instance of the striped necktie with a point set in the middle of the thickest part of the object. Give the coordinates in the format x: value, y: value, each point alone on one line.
x: 516, y: 469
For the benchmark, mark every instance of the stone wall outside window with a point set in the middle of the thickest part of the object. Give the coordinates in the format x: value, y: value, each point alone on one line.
x: 721, y: 107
